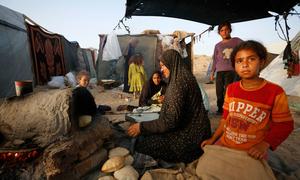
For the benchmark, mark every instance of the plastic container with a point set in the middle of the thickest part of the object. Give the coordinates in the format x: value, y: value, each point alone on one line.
x: 23, y: 87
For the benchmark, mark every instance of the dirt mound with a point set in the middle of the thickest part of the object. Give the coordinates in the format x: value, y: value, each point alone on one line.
x: 42, y: 116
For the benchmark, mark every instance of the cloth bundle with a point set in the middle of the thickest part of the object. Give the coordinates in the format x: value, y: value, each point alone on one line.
x: 220, y: 162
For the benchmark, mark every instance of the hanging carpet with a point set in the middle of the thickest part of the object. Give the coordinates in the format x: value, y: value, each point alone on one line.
x: 47, y: 54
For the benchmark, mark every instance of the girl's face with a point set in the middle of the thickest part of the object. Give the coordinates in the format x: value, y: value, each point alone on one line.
x: 248, y: 64
x: 156, y: 79
x: 225, y: 32
x: 164, y: 69
x: 84, y: 81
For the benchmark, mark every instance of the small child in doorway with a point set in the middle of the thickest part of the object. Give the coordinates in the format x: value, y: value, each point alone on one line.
x: 256, y: 115
x: 136, y: 74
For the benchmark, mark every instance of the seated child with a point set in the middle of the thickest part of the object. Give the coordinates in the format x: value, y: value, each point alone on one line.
x: 256, y: 115
x: 84, y: 106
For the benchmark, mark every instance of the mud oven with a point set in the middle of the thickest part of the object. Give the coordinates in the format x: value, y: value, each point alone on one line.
x: 38, y: 139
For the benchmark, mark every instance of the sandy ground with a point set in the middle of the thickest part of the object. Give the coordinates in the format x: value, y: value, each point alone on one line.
x: 285, y: 160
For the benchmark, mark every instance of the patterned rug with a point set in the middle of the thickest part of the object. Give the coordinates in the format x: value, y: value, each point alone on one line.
x: 47, y: 54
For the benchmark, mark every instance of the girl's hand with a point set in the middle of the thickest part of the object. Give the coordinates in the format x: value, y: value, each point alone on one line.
x: 209, y: 141
x: 212, y: 76
x: 258, y: 151
x: 134, y: 130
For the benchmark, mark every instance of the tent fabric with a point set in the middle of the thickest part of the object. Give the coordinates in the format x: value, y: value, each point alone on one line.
x: 77, y: 59
x: 114, y: 69
x: 21, y: 62
x: 14, y: 51
x: 210, y: 12
x: 147, y: 47
x: 276, y: 73
x: 85, y: 59
x: 109, y: 70
x: 99, y: 63
x: 87, y: 54
x: 81, y: 60
x: 70, y: 55
x: 94, y: 53
x: 12, y: 18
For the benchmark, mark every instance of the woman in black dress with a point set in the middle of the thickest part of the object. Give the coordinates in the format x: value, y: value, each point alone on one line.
x: 183, y: 122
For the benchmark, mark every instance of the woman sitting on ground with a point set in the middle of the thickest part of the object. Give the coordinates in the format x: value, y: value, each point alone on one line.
x: 183, y: 122
x: 153, y: 91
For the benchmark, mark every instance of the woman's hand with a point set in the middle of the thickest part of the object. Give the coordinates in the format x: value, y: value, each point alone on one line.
x: 258, y: 151
x: 209, y: 141
x: 134, y: 130
x: 161, y: 99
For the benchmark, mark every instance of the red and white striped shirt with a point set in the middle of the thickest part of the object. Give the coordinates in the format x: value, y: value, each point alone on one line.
x: 256, y: 115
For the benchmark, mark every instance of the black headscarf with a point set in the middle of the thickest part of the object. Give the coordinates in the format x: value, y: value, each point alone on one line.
x: 176, y: 65
x: 150, y: 88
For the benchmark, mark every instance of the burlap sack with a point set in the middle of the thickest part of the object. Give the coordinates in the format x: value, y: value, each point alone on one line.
x: 219, y: 162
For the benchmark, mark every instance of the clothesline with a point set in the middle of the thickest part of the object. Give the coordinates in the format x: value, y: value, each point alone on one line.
x: 198, y: 37
x: 122, y: 23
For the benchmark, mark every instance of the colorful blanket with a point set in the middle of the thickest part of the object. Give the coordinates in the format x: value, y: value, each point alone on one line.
x: 47, y: 54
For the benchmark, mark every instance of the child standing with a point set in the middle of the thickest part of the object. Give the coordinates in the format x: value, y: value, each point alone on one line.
x: 221, y: 65
x: 256, y: 114
x: 136, y: 74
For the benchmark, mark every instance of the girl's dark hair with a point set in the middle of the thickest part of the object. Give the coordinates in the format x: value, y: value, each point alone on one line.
x: 225, y: 23
x: 257, y: 47
x: 155, y: 72
x: 136, y: 59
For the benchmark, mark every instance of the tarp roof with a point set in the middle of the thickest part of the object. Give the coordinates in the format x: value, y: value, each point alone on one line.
x: 211, y: 12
